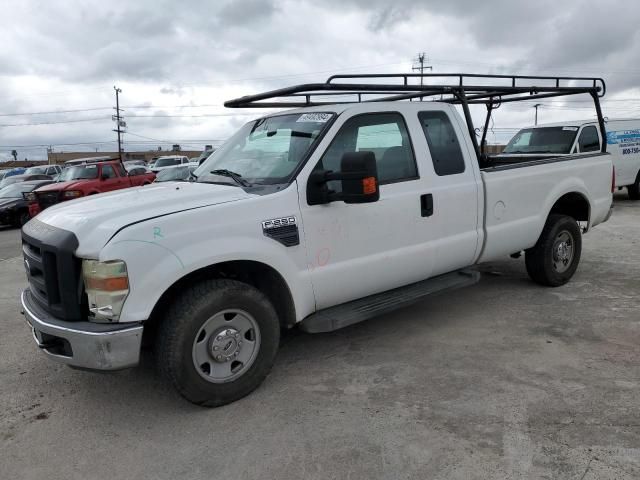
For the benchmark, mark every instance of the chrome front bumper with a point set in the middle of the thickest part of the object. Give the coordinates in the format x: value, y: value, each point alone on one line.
x: 94, y: 346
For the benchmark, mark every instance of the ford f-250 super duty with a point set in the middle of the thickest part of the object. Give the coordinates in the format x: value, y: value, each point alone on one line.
x: 321, y: 216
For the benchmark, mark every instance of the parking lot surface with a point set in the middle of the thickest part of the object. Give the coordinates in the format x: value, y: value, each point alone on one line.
x: 505, y: 379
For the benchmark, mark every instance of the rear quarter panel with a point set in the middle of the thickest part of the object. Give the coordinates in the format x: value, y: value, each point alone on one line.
x: 518, y: 200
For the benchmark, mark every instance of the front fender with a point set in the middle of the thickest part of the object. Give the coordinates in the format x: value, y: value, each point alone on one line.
x: 159, y: 252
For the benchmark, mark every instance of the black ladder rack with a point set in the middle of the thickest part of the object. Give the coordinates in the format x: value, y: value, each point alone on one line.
x: 455, y: 88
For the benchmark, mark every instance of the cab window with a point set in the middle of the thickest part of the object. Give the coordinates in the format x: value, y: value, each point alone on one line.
x: 383, y: 134
x: 446, y: 153
x: 588, y: 140
x: 107, y: 171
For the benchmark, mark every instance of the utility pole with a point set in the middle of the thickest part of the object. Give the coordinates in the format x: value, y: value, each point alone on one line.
x: 536, y: 107
x: 421, y: 66
x: 120, y: 123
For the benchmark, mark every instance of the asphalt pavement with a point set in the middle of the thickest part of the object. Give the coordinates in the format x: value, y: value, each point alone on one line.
x: 505, y: 379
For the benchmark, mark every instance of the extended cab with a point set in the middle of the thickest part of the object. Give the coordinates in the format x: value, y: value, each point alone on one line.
x: 576, y: 137
x: 86, y: 179
x: 320, y: 217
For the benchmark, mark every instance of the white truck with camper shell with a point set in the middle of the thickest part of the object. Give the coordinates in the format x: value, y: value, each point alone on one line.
x: 322, y: 217
x: 580, y: 137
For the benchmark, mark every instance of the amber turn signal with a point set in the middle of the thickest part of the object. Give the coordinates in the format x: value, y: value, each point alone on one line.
x: 369, y: 186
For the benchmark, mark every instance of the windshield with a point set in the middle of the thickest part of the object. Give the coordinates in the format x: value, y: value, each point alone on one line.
x: 542, y: 140
x: 36, y: 171
x: 15, y: 190
x: 79, y: 172
x: 177, y: 173
x: 267, y: 151
x: 167, y: 162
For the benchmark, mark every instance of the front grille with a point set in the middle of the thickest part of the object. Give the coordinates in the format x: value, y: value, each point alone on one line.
x: 46, y: 199
x: 53, y: 272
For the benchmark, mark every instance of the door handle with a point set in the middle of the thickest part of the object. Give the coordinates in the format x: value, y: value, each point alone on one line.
x: 426, y: 205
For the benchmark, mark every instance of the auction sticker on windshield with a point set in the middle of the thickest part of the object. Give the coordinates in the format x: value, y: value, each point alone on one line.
x: 314, y: 117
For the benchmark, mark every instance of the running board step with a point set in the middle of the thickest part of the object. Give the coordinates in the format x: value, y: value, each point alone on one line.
x: 356, y: 311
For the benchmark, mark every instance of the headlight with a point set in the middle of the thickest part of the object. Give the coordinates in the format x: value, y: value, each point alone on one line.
x: 72, y: 194
x: 107, y: 287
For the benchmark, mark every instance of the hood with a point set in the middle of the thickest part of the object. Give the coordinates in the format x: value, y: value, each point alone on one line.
x: 96, y: 218
x: 57, y: 186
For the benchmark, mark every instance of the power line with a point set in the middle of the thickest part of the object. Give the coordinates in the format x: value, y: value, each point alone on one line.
x: 54, y: 123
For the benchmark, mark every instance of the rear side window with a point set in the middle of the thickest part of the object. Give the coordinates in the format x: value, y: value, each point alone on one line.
x: 588, y: 140
x: 384, y: 134
x: 443, y: 143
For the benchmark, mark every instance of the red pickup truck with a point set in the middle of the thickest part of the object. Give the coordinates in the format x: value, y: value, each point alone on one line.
x: 86, y: 179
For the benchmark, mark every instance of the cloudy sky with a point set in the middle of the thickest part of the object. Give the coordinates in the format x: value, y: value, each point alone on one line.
x: 177, y: 62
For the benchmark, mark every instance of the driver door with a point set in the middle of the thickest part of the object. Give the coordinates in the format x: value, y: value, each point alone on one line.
x: 356, y: 250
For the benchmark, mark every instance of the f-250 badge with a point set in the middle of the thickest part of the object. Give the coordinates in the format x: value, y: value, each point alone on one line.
x: 278, y: 222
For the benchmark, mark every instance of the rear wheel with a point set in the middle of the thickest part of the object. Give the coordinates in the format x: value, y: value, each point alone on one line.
x: 218, y: 341
x: 553, y: 260
x: 634, y: 190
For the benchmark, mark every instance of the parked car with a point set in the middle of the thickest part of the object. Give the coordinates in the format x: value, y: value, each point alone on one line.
x: 320, y: 217
x: 22, y: 178
x: 51, y: 170
x: 87, y: 179
x: 14, y: 209
x: 177, y: 173
x: 168, y: 161
x: 134, y: 163
x: 11, y: 172
x: 576, y: 137
x: 140, y: 172
x: 202, y: 157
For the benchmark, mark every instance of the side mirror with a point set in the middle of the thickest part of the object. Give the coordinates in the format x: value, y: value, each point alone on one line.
x: 359, y: 178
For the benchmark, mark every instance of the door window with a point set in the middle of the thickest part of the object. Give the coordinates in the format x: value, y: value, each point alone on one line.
x: 107, y: 170
x: 588, y: 140
x: 384, y: 134
x: 446, y: 153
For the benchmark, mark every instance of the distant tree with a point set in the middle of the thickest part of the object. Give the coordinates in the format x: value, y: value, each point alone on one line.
x: 14, y: 153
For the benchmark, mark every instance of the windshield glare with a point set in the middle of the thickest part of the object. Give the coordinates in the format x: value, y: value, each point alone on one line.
x: 15, y: 190
x: 80, y: 172
x: 267, y: 151
x: 542, y: 140
x: 166, y: 162
x: 177, y: 173
x: 36, y: 171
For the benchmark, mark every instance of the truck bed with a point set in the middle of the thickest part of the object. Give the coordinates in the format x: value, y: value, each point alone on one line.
x: 519, y: 196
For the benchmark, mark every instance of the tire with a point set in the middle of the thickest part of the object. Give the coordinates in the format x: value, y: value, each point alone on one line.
x: 553, y: 260
x: 634, y: 190
x: 231, y: 317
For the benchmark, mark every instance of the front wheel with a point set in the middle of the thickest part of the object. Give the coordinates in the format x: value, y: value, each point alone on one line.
x: 217, y: 341
x: 553, y: 260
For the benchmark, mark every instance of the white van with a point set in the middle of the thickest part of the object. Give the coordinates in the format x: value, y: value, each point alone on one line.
x: 566, y: 138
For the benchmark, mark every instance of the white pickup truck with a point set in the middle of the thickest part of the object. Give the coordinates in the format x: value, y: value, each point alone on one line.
x: 321, y: 216
x: 576, y: 137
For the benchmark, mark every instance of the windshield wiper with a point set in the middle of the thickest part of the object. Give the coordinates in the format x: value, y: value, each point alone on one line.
x: 223, y: 172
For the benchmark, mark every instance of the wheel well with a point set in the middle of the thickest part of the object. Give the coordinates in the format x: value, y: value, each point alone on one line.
x: 259, y: 275
x: 574, y: 205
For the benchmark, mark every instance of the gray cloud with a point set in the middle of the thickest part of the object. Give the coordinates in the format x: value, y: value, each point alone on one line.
x: 162, y: 52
